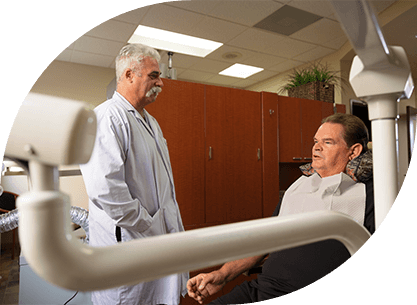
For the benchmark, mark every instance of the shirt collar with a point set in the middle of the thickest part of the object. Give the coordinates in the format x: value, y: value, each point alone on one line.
x: 129, y: 107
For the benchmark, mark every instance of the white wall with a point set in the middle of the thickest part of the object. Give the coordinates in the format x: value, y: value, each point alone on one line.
x: 75, y: 81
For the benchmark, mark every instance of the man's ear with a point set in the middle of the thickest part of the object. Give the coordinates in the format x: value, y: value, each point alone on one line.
x: 128, y: 74
x: 355, y: 150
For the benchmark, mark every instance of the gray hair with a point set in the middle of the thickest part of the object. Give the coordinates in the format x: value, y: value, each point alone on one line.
x: 131, y: 56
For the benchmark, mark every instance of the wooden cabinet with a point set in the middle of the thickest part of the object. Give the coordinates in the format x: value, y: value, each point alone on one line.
x: 214, y: 138
x: 327, y: 109
x: 233, y: 155
x: 310, y: 122
x: 299, y: 121
x: 179, y: 110
x: 217, y: 191
x: 270, y: 157
x: 289, y: 129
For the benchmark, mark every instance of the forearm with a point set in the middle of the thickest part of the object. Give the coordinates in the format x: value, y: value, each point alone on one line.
x: 232, y: 270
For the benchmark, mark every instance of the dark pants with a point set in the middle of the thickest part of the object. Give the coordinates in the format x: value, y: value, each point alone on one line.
x: 241, y: 294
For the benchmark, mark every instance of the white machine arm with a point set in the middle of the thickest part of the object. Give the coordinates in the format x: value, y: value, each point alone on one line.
x: 60, y: 258
x: 380, y: 75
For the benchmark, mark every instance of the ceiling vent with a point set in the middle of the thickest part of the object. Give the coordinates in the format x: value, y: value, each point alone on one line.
x: 231, y: 55
x: 287, y: 20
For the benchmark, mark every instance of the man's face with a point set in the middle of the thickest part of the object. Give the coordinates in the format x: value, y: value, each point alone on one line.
x: 330, y: 152
x: 146, y: 80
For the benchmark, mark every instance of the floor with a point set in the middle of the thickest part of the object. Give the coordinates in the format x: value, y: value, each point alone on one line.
x: 9, y: 281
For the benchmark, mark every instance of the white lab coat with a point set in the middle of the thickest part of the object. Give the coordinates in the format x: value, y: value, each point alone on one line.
x: 129, y: 183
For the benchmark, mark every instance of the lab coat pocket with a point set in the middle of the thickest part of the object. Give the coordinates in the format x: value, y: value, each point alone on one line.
x: 157, y: 227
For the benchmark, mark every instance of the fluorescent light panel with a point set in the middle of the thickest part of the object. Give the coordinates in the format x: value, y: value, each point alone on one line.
x: 174, y: 42
x: 240, y: 71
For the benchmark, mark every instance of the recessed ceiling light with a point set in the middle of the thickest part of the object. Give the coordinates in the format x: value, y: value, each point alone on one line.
x: 170, y: 41
x: 240, y: 71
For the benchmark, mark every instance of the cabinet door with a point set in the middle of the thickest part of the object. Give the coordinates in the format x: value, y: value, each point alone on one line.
x: 326, y: 109
x: 218, y: 193
x: 311, y: 113
x: 179, y: 110
x: 270, y: 165
x: 341, y: 108
x: 244, y: 161
x: 289, y: 129
x: 233, y: 171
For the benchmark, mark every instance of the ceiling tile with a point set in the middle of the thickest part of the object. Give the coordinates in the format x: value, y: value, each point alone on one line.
x: 92, y: 59
x: 263, y: 75
x: 337, y: 43
x: 98, y: 46
x: 222, y: 80
x: 217, y: 30
x: 211, y: 66
x: 202, y: 7
x: 286, y: 65
x: 318, y: 7
x: 134, y: 16
x: 314, y: 54
x: 180, y: 60
x: 169, y: 18
x: 65, y: 55
x: 225, y: 49
x: 113, y: 30
x: 196, y: 76
x: 289, y: 48
x: 257, y: 40
x: 380, y: 5
x: 244, y: 12
x: 244, y: 83
x: 320, y: 32
x: 263, y: 61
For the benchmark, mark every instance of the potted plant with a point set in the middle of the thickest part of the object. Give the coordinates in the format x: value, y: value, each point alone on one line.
x: 315, y: 82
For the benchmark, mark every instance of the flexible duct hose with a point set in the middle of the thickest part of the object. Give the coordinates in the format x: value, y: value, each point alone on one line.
x: 9, y: 221
x: 79, y: 216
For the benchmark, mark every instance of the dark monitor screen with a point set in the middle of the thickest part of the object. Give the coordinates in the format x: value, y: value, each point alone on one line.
x: 360, y: 109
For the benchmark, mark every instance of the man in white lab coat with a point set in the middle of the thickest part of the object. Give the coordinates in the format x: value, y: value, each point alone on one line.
x: 129, y: 178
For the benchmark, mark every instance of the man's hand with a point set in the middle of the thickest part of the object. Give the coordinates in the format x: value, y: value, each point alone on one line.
x: 207, y: 284
x: 204, y: 285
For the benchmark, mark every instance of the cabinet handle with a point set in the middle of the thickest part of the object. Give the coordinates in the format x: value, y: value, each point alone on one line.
x: 299, y: 158
x: 210, y: 153
x: 307, y: 158
x: 259, y: 154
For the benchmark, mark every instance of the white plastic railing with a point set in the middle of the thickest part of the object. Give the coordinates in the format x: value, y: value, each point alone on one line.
x: 58, y: 257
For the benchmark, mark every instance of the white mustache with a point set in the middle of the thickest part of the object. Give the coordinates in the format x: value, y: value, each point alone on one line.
x: 155, y: 90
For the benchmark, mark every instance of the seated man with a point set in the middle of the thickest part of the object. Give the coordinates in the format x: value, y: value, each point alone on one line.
x: 338, y: 179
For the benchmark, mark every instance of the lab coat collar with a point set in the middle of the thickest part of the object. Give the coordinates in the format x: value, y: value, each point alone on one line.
x: 150, y: 125
x: 129, y: 107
